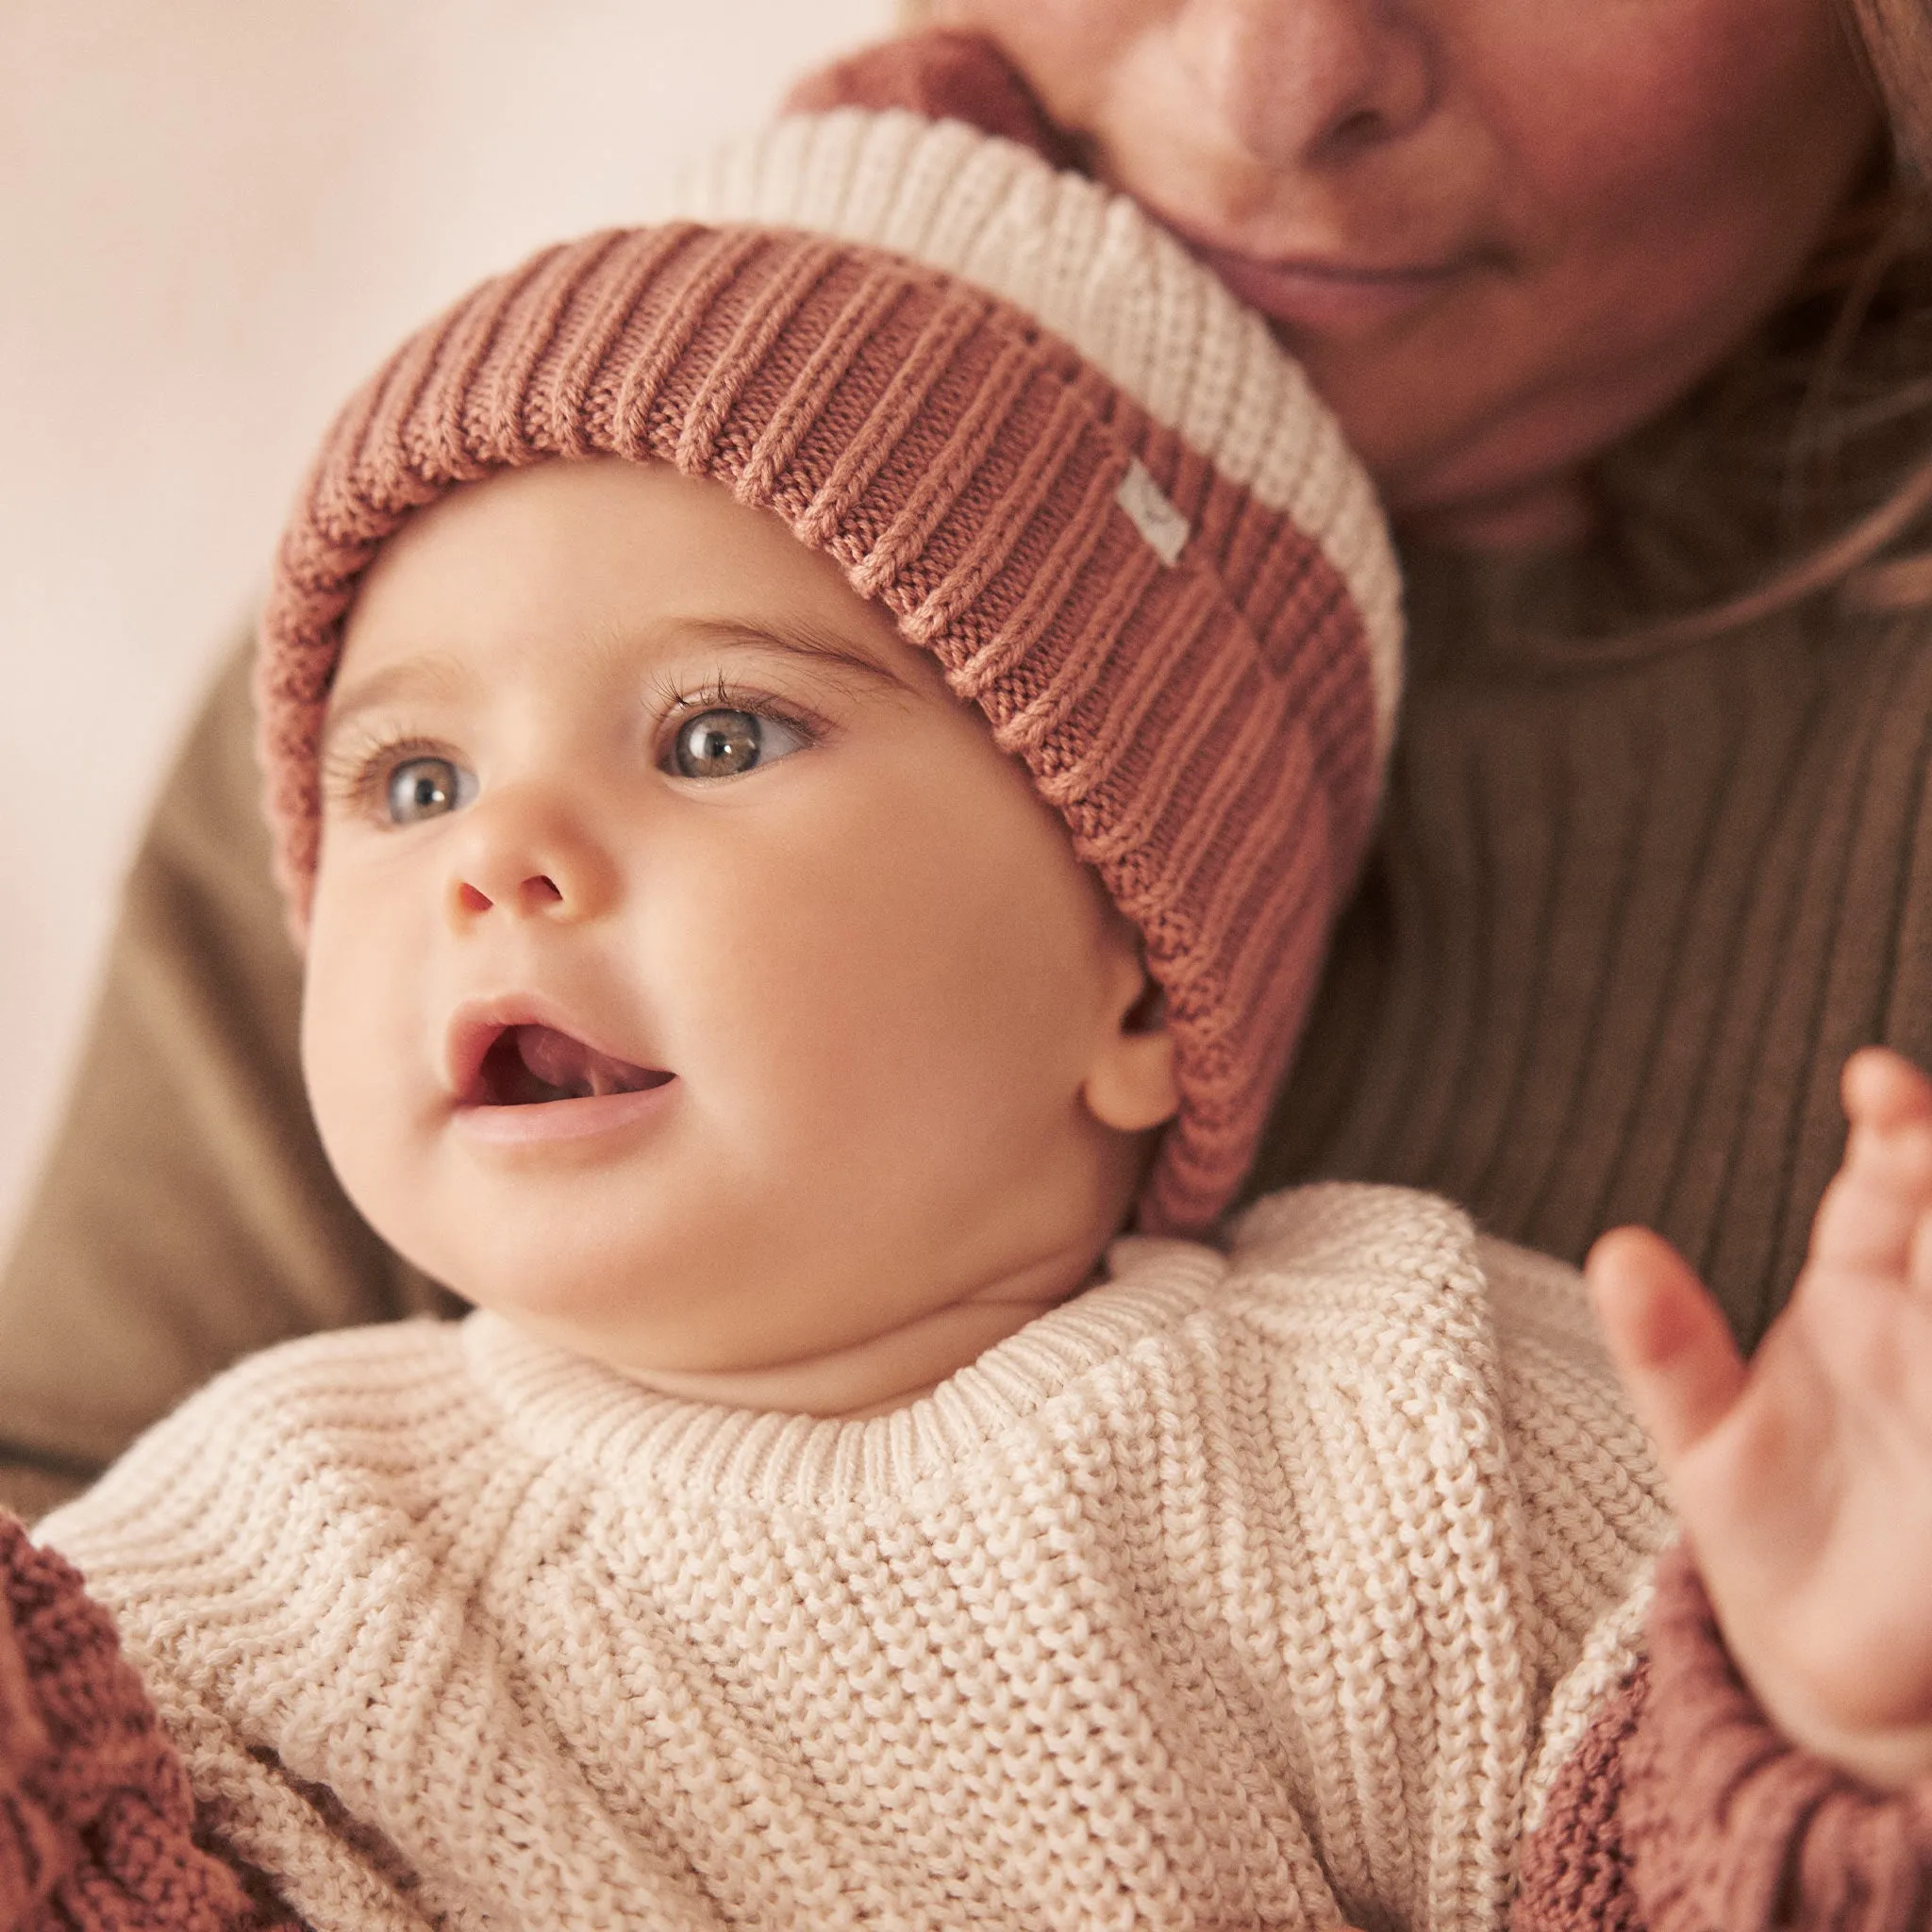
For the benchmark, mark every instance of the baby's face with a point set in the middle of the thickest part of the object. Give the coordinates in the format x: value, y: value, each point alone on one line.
x: 690, y: 977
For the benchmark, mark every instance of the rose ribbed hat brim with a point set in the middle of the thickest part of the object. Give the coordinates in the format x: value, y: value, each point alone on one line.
x: 1089, y: 265
x: 1182, y: 667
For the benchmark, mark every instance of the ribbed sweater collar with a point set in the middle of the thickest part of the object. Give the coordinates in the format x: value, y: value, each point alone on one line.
x: 577, y: 1413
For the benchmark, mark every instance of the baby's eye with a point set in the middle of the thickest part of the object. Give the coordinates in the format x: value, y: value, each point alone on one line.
x: 721, y: 742
x: 425, y: 788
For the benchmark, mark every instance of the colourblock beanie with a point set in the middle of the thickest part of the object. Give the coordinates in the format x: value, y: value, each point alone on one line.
x: 1026, y: 422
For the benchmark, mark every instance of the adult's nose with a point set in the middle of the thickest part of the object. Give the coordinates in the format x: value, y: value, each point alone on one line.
x: 526, y: 853
x: 1305, y: 83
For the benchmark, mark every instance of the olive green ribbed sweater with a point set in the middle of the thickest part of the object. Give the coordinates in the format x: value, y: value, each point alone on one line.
x: 1624, y: 924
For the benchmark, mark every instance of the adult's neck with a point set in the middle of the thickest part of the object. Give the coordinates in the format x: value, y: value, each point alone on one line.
x: 1546, y: 513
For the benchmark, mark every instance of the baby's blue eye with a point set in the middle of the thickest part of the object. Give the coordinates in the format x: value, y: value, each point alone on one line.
x: 721, y: 743
x: 425, y: 788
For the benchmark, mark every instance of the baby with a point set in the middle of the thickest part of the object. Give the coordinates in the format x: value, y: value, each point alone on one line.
x: 812, y: 755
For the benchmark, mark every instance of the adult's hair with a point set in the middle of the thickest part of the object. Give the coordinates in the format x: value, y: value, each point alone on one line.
x: 1896, y: 38
x: 1814, y: 438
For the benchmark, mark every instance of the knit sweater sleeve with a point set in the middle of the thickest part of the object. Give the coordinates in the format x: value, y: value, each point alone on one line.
x: 97, y: 1824
x: 1684, y: 1810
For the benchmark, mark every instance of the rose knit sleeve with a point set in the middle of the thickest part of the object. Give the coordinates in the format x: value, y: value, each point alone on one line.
x: 97, y: 1817
x: 1685, y: 1811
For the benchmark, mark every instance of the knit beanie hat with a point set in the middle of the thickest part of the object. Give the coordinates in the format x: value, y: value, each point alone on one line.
x: 1025, y: 422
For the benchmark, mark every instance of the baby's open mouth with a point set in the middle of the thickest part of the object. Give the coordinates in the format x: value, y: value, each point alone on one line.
x: 528, y: 1065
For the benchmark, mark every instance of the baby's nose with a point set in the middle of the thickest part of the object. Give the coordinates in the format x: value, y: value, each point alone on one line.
x: 530, y: 857
x: 529, y: 895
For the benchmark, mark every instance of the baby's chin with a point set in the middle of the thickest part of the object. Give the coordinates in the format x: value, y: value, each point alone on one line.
x: 700, y: 1344
x: 887, y: 1371
x: 776, y: 1312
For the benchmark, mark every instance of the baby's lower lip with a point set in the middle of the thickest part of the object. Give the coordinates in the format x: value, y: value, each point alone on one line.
x: 550, y: 1121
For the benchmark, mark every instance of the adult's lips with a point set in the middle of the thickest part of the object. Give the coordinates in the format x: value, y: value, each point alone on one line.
x: 1335, y: 290
x: 1332, y: 297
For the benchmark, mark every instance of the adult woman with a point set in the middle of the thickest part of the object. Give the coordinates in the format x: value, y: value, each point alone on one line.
x: 1630, y: 320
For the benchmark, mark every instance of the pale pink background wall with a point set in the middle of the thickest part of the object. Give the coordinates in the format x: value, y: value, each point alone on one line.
x: 214, y: 215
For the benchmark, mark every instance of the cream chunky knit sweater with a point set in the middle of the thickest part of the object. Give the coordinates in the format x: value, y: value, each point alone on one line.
x: 1265, y: 1590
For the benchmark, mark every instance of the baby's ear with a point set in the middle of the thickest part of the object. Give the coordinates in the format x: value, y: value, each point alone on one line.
x: 1131, y: 1085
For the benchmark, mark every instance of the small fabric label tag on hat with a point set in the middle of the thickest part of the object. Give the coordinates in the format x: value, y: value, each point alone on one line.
x: 1146, y: 501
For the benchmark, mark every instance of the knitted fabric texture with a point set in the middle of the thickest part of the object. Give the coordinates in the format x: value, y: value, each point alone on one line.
x: 1262, y: 1589
x: 1805, y: 1847
x: 97, y: 1815
x: 1145, y: 555
x: 1575, y: 1871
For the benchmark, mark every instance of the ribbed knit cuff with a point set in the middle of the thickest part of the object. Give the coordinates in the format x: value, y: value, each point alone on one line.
x: 1729, y: 1829
x: 97, y: 1817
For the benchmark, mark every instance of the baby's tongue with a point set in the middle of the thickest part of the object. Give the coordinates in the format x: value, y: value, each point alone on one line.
x: 580, y: 1071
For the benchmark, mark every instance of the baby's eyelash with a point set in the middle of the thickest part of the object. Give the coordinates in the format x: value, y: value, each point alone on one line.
x: 673, y: 704
x: 356, y: 772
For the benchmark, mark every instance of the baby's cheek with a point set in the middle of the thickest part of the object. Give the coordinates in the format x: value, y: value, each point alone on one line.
x: 367, y: 1089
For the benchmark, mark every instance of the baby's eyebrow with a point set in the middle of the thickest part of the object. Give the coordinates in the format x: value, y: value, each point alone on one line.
x: 415, y: 677
x: 805, y: 639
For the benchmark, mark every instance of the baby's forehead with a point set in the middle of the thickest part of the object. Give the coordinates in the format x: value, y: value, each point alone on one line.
x: 632, y: 561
